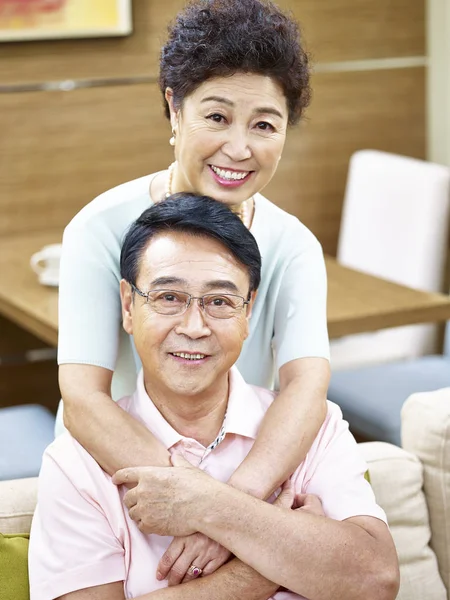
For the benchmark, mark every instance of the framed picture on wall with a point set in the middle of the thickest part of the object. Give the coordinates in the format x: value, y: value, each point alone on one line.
x: 54, y: 19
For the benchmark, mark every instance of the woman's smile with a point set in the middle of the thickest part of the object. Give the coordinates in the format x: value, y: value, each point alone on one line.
x: 229, y: 177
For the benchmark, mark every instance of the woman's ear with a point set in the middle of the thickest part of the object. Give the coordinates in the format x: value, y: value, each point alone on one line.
x: 126, y: 297
x: 173, y: 111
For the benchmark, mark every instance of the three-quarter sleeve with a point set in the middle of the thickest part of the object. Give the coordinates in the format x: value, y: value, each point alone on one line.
x: 300, y: 327
x: 89, y: 299
x: 72, y: 545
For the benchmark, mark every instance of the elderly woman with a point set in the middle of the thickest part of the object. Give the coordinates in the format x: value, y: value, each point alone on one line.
x: 234, y: 77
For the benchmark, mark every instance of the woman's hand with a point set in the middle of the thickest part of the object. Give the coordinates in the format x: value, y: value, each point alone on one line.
x: 195, y: 549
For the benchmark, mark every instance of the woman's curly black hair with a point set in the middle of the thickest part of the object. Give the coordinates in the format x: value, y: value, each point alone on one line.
x: 217, y: 38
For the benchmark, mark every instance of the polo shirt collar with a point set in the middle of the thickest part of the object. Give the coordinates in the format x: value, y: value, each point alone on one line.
x: 243, y: 417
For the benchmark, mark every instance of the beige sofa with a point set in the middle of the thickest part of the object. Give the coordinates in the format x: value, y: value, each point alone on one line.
x: 411, y: 484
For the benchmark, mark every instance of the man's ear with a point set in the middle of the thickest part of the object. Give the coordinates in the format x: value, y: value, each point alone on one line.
x: 126, y: 297
x: 173, y: 111
x: 251, y: 303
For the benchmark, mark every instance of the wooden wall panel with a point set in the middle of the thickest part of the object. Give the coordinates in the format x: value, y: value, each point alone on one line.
x: 62, y: 149
x: 339, y: 30
x: 383, y: 110
x: 335, y: 30
x: 58, y: 150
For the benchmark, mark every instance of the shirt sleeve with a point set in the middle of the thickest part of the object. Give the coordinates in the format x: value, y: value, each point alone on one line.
x: 335, y: 472
x: 300, y: 328
x: 72, y: 545
x: 89, y: 299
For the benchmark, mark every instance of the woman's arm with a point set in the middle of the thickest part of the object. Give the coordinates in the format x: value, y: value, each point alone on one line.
x: 301, y: 347
x: 288, y: 429
x: 110, y: 435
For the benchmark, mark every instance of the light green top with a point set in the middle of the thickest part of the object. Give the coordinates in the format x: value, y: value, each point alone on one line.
x: 289, y: 315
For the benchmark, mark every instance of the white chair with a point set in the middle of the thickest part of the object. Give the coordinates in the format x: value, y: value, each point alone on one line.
x: 394, y: 225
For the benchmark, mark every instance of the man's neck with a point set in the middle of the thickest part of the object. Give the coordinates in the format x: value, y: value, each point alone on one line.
x: 197, y: 416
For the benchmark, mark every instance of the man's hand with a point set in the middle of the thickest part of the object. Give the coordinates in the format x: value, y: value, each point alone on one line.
x: 165, y: 500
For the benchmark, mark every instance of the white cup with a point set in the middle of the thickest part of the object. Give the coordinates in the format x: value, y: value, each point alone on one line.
x: 46, y: 264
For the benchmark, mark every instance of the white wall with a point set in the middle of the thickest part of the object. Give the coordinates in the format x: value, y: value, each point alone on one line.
x: 438, y: 85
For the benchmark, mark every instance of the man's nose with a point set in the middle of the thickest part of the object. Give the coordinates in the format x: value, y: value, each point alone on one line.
x: 237, y: 144
x: 193, y: 323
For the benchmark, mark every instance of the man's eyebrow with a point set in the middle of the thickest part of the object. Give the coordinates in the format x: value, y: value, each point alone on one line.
x: 224, y: 284
x: 165, y: 281
x: 263, y: 110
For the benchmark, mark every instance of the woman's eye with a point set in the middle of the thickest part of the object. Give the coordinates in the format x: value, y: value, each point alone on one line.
x: 264, y: 126
x: 217, y: 118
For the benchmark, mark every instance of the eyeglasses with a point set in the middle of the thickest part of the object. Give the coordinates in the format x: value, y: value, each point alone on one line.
x: 173, y: 303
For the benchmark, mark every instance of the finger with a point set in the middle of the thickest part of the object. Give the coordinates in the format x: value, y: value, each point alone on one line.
x: 135, y: 514
x: 191, y: 576
x: 286, y: 498
x: 310, y: 503
x: 128, y: 475
x: 313, y: 504
x: 130, y: 498
x: 178, y: 460
x: 169, y: 558
x: 179, y: 570
x: 211, y: 567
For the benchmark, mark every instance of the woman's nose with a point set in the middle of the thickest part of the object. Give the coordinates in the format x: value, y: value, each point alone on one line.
x: 237, y: 146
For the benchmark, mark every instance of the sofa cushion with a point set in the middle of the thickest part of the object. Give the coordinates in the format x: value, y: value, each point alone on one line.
x: 426, y: 433
x: 17, y: 503
x: 397, y: 479
x: 14, y: 567
x: 25, y: 432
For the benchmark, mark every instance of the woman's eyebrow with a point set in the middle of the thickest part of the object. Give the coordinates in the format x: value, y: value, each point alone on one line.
x: 263, y: 110
x: 218, y: 99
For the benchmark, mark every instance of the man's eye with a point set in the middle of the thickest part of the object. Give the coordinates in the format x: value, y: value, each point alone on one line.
x: 220, y: 301
x: 169, y: 298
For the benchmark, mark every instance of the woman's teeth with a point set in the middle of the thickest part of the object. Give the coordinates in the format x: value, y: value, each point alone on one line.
x: 230, y: 175
x: 189, y: 356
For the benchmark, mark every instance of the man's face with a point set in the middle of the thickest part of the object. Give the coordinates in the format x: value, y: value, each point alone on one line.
x: 198, y: 266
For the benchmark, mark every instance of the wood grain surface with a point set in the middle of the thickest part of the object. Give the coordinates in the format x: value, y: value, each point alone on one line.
x: 356, y: 302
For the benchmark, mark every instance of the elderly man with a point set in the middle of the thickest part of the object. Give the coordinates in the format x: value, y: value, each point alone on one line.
x: 190, y: 273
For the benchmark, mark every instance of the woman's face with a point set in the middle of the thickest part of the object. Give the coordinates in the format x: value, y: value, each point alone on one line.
x: 230, y: 134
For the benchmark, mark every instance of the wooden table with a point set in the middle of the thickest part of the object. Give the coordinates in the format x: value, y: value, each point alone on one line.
x: 356, y: 302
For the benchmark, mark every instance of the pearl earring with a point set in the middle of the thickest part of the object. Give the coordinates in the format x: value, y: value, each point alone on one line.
x: 172, y: 139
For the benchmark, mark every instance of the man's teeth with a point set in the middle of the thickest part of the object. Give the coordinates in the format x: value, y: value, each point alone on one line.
x: 230, y: 175
x: 189, y: 356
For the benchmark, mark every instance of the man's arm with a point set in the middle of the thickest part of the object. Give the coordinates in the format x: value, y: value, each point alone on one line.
x: 232, y: 581
x: 293, y: 549
x: 296, y: 549
x: 288, y: 429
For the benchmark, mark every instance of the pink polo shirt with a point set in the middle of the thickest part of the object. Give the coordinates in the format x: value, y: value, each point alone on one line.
x: 82, y: 535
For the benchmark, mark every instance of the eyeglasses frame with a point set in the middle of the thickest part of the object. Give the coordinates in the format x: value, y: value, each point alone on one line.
x: 189, y: 300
